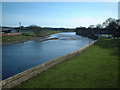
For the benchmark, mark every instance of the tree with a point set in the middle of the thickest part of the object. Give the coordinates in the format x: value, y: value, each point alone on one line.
x: 36, y: 30
x: 118, y: 27
x: 118, y: 23
x: 91, y: 26
x: 98, y: 26
x: 106, y: 23
x: 112, y: 26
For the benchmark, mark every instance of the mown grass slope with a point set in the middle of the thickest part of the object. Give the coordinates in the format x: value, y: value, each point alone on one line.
x: 96, y: 67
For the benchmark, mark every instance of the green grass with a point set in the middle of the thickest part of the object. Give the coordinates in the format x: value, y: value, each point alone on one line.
x: 96, y: 67
x: 26, y: 36
x: 48, y: 32
x: 15, y: 38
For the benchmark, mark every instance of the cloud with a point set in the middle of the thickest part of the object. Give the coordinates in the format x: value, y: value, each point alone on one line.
x: 67, y: 22
x: 84, y: 21
x: 73, y: 22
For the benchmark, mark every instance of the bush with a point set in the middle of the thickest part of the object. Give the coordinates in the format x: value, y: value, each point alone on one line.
x: 36, y: 30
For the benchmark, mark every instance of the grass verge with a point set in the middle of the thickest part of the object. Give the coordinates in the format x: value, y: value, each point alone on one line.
x: 26, y: 36
x: 96, y: 67
x: 15, y: 38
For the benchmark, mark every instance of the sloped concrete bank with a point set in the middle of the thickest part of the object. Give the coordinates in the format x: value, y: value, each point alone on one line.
x: 28, y: 74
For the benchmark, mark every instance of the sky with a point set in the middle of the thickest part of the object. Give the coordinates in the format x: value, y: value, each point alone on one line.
x: 57, y: 14
x: 119, y: 10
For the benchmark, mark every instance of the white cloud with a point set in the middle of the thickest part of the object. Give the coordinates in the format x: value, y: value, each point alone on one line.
x: 73, y: 22
x: 68, y: 22
x: 85, y: 21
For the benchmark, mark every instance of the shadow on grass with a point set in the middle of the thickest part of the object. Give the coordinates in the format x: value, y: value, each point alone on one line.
x: 113, y: 44
x: 108, y: 43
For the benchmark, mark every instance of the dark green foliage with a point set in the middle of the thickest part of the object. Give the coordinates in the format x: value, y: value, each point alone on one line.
x: 36, y: 30
x: 28, y: 34
x: 15, y: 38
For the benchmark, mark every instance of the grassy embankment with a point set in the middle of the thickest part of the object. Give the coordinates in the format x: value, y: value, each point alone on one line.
x: 26, y: 36
x: 96, y: 67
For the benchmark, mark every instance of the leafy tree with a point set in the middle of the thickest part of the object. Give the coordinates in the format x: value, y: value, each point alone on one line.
x: 112, y: 26
x: 106, y: 23
x: 98, y: 26
x: 36, y: 30
x: 91, y: 26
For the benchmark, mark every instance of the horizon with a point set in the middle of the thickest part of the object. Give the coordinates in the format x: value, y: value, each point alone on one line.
x: 57, y: 14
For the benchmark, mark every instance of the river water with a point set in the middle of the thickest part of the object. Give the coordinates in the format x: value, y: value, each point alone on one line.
x: 19, y: 57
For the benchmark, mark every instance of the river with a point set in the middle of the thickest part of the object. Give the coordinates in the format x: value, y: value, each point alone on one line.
x: 19, y: 57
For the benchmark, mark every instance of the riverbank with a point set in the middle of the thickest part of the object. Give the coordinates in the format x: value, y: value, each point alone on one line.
x: 96, y: 67
x: 8, y: 40
x: 24, y: 39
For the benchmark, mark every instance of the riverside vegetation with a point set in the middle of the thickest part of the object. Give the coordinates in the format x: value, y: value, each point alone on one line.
x: 97, y: 67
x: 27, y: 36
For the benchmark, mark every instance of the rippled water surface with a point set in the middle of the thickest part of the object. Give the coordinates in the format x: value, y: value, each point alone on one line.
x: 19, y: 57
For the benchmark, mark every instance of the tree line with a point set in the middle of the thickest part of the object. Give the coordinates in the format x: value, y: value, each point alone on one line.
x: 110, y: 24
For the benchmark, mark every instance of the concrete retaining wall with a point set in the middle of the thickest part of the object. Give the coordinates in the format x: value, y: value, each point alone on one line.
x: 28, y: 74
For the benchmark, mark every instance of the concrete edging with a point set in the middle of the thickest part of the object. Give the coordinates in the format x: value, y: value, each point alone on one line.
x: 28, y: 74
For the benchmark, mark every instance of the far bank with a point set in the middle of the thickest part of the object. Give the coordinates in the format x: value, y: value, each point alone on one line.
x: 23, y: 37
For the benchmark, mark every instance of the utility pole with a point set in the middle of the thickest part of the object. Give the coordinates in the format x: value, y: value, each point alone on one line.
x: 20, y: 25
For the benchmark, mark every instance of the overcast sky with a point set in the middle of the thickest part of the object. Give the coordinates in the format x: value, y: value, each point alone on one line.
x: 58, y: 14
